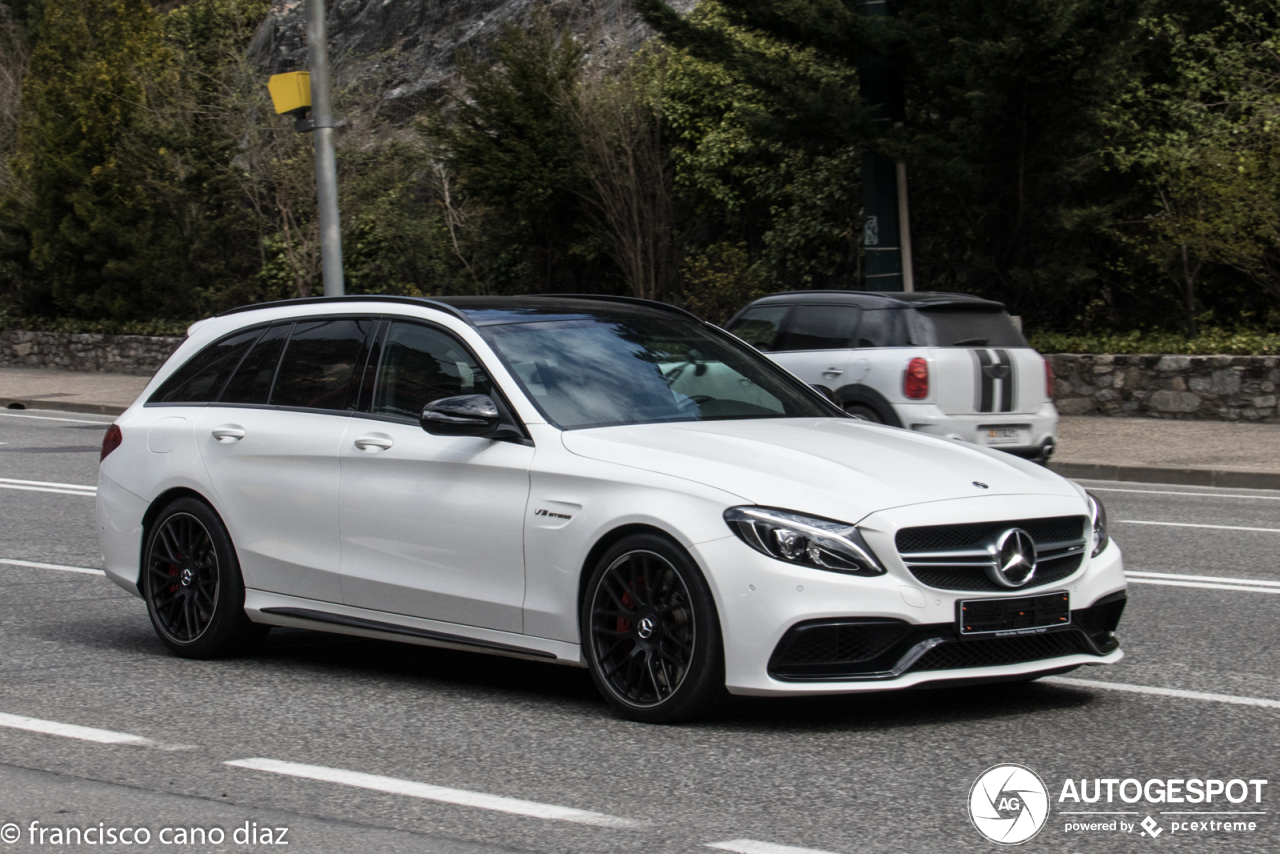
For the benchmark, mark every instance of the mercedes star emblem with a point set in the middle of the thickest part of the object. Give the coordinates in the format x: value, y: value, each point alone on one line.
x: 1015, y: 559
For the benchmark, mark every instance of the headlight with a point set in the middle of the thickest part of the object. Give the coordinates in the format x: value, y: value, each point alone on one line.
x: 1098, y: 515
x: 804, y: 540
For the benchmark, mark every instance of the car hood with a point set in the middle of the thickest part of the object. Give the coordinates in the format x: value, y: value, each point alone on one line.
x: 839, y: 468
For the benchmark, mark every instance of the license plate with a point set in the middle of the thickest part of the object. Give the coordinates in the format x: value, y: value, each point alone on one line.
x: 1025, y: 615
x: 1001, y: 435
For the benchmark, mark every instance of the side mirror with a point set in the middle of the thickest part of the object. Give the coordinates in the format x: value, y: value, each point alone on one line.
x: 465, y: 415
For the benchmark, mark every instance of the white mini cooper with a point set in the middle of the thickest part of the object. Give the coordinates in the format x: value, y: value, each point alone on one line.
x: 599, y: 482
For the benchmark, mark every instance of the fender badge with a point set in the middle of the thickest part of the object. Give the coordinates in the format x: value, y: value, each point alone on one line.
x: 980, y: 485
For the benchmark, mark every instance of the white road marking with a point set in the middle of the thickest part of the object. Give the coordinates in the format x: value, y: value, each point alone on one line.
x: 83, y: 733
x: 752, y: 846
x: 45, y: 486
x: 78, y: 486
x: 461, y: 797
x: 51, y: 418
x: 1163, y: 692
x: 1192, y: 525
x: 1195, y: 494
x: 31, y: 565
x: 1237, y: 587
x: 1215, y: 578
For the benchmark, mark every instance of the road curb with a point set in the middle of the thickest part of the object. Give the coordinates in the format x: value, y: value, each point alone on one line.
x: 61, y: 406
x: 1231, y: 479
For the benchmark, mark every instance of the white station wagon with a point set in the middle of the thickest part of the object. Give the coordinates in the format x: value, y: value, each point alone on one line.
x: 600, y: 482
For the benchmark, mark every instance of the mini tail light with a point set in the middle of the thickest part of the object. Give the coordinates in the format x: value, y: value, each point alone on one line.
x: 111, y: 441
x: 1048, y: 379
x: 915, y: 380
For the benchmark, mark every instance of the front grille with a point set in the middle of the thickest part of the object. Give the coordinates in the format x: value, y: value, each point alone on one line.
x: 936, y: 538
x: 823, y: 648
x: 966, y: 578
x: 988, y: 652
x: 955, y: 557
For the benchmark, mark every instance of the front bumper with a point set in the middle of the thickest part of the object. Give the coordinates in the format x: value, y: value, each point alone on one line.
x: 761, y: 599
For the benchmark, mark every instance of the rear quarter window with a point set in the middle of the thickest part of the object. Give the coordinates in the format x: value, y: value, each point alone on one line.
x: 201, y: 378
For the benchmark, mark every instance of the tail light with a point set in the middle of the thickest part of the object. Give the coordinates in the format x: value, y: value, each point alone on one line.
x: 915, y: 379
x: 1048, y: 379
x: 111, y: 441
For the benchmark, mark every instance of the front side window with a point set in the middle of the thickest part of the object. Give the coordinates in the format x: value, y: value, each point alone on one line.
x: 759, y: 326
x: 318, y: 363
x: 822, y: 327
x: 420, y: 365
x: 203, y: 376
x: 600, y: 371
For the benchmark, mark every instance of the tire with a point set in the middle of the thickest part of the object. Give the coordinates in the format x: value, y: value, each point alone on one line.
x: 192, y: 584
x: 676, y: 671
x: 864, y: 413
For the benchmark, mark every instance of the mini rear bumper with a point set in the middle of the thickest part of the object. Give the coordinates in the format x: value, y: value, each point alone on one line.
x: 1039, y: 428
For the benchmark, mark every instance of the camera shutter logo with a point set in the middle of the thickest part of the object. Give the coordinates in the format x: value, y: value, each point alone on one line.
x: 1009, y: 804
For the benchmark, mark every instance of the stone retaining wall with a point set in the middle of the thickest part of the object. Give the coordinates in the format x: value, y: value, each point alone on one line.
x: 141, y: 355
x: 1223, y: 388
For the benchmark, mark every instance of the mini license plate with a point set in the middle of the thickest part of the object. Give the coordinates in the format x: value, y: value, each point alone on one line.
x: 1025, y: 615
x: 1001, y: 435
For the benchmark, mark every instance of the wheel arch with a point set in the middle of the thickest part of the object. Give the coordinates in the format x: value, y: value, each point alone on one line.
x: 157, y: 506
x: 869, y: 397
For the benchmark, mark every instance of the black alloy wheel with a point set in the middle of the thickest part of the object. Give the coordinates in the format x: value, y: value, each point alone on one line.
x: 864, y: 413
x: 192, y: 585
x: 651, y: 632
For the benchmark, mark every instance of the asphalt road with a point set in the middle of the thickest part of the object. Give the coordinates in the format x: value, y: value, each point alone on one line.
x: 1197, y: 697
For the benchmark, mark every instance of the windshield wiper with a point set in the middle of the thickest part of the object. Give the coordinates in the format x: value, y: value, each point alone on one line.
x: 968, y: 341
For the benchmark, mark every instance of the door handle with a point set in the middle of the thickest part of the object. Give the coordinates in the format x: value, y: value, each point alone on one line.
x: 374, y: 443
x: 228, y: 433
x: 832, y: 372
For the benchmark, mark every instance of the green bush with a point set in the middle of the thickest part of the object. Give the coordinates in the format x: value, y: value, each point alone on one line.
x: 1238, y: 342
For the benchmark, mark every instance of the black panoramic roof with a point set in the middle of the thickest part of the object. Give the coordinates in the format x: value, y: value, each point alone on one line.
x: 883, y: 299
x: 488, y: 311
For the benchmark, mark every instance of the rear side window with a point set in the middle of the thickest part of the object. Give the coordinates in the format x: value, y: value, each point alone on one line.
x: 759, y: 326
x: 821, y: 327
x: 204, y: 374
x: 970, y: 328
x: 881, y: 327
x: 421, y: 365
x: 251, y: 383
x: 318, y: 363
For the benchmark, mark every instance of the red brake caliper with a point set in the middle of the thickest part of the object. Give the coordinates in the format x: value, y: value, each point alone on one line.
x: 173, y: 571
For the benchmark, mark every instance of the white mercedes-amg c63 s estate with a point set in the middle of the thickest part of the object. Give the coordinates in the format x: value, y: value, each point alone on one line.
x: 601, y: 482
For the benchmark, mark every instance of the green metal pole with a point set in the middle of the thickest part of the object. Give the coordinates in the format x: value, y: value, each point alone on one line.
x: 886, y: 231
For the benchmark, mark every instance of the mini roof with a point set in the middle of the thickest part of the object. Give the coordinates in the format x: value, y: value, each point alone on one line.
x: 883, y: 299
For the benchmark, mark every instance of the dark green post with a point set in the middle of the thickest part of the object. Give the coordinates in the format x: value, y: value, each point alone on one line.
x: 886, y: 228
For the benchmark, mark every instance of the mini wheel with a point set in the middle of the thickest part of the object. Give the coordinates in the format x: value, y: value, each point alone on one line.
x: 651, y: 634
x: 192, y: 584
x: 864, y: 413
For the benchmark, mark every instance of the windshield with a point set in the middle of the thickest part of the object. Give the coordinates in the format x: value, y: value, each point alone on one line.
x: 599, y: 371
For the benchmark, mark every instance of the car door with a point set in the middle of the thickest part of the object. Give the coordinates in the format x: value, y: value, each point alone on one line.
x: 432, y: 526
x: 816, y: 344
x: 270, y: 446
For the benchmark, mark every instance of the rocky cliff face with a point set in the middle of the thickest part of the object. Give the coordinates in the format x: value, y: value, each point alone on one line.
x: 404, y: 53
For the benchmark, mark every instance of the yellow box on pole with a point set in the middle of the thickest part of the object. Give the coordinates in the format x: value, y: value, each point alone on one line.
x: 290, y: 92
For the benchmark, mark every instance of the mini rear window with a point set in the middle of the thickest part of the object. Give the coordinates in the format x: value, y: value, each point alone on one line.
x: 759, y: 326
x: 951, y: 327
x: 821, y: 327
